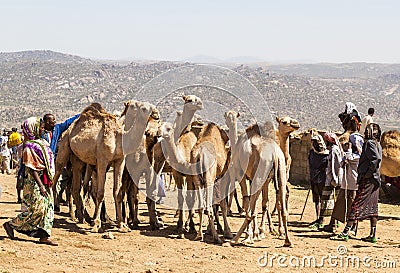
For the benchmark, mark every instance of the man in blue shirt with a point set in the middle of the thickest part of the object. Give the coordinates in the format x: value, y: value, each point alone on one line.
x: 52, y: 133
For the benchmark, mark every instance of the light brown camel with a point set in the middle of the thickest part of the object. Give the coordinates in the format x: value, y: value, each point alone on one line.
x: 208, y: 160
x: 138, y: 164
x: 390, y: 142
x: 231, y: 118
x: 256, y: 155
x: 178, y: 152
x: 286, y: 125
x: 95, y: 138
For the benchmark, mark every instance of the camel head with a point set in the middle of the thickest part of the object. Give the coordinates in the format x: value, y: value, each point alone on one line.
x: 137, y: 111
x: 231, y: 117
x: 155, y: 114
x: 287, y: 125
x: 193, y: 102
x: 166, y: 130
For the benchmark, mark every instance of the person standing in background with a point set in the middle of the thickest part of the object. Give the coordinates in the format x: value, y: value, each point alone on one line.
x: 367, y: 120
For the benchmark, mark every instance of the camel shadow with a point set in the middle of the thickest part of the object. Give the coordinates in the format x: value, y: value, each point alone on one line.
x: 2, y: 238
x: 315, y: 236
x: 8, y: 202
x: 298, y: 224
x: 388, y: 217
x: 68, y: 226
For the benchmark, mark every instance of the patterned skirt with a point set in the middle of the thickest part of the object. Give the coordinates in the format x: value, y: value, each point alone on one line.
x: 329, y: 194
x: 37, y: 221
x: 365, y: 204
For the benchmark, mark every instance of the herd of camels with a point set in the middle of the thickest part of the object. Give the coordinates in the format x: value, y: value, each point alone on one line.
x: 204, y: 159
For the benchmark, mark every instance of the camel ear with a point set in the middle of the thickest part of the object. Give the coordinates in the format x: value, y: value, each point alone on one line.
x: 238, y: 115
x: 127, y: 103
x: 184, y: 97
x: 278, y: 119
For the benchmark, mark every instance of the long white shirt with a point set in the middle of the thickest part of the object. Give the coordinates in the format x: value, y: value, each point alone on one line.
x: 364, y: 122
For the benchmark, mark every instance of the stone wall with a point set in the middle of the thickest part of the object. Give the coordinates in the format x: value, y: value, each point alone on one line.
x: 299, y: 170
x: 299, y: 150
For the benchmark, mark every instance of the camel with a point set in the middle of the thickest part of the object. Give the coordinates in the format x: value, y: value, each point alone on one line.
x: 137, y: 164
x: 209, y: 159
x: 286, y: 126
x: 390, y: 142
x: 231, y: 121
x: 254, y: 157
x: 95, y: 138
x: 177, y: 150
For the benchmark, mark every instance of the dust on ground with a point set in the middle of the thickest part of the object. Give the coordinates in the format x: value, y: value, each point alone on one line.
x: 141, y: 250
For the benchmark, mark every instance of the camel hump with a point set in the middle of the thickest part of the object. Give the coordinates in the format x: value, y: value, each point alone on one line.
x: 96, y: 111
x: 391, y: 139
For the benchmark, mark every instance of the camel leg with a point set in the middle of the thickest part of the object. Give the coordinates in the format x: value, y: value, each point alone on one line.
x: 235, y: 195
x: 118, y: 193
x: 283, y: 196
x: 61, y: 162
x: 199, y: 235
x: 245, y: 194
x: 98, y: 187
x: 77, y: 167
x: 180, y: 212
x: 190, y: 200
x: 68, y: 193
x: 133, y: 203
x: 227, y: 229
x: 215, y: 209
x: 151, y: 192
x: 249, y: 217
x: 265, y: 212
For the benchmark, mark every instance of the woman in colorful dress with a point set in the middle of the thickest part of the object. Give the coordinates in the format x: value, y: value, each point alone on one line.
x: 365, y: 205
x: 38, y: 159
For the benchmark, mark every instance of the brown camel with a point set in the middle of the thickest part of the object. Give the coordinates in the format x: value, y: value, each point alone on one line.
x: 209, y: 158
x: 286, y: 126
x: 96, y: 138
x: 256, y: 155
x: 178, y: 152
x: 231, y: 118
x: 390, y: 142
x: 140, y: 163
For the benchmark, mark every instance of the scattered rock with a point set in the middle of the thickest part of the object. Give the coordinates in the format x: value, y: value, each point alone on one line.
x: 108, y: 235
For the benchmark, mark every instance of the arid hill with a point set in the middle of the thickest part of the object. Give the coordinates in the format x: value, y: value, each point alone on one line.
x: 36, y: 82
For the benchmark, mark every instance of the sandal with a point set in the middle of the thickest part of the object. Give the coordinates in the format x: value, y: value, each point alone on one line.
x: 9, y: 230
x: 340, y: 237
x: 315, y: 225
x: 369, y: 239
x: 47, y: 241
x: 326, y: 228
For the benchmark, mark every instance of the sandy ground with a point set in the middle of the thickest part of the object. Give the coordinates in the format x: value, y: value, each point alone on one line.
x: 80, y: 250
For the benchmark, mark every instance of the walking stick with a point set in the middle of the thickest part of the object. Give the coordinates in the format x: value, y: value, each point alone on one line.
x: 305, y: 203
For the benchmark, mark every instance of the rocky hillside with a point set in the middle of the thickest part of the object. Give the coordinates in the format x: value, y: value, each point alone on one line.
x: 36, y: 82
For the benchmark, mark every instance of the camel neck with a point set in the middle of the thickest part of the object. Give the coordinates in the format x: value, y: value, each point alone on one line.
x: 284, y: 143
x: 233, y: 133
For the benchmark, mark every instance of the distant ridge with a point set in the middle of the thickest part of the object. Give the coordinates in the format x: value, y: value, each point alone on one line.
x: 41, y: 56
x: 213, y: 60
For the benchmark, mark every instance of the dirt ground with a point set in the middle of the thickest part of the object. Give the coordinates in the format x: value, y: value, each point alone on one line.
x: 80, y: 250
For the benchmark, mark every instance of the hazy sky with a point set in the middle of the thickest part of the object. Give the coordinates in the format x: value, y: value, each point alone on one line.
x: 278, y: 30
